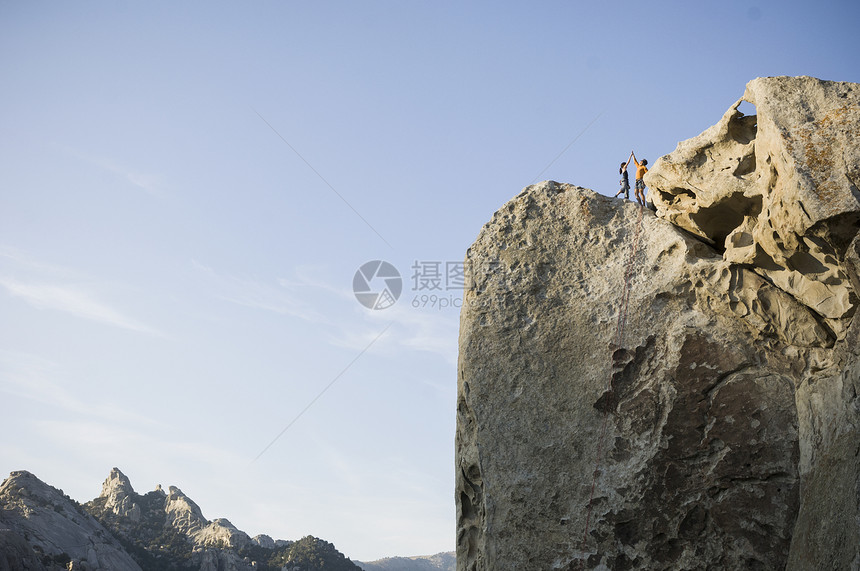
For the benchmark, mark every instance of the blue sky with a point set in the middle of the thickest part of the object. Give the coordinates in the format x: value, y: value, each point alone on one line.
x: 186, y: 192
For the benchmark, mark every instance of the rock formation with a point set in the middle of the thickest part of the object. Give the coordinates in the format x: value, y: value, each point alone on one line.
x: 119, y: 496
x: 133, y: 514
x: 675, y: 391
x: 43, y: 530
x: 264, y: 541
x: 157, y: 514
x: 776, y: 191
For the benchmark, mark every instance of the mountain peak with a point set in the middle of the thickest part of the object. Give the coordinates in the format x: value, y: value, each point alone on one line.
x: 25, y: 485
x: 40, y: 521
x: 120, y: 497
x: 116, y: 484
x: 183, y: 513
x: 45, y: 530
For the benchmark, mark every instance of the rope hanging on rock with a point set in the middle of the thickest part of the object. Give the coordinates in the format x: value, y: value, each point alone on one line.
x: 618, y: 338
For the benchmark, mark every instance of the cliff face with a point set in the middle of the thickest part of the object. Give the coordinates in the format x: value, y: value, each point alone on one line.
x: 677, y: 391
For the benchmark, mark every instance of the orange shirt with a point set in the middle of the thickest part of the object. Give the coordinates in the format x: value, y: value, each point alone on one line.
x: 640, y: 169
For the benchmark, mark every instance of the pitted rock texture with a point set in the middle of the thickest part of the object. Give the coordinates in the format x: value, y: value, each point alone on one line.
x: 775, y: 191
x: 724, y: 395
x: 706, y: 416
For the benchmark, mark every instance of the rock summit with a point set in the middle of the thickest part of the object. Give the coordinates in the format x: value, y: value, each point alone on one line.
x: 674, y: 390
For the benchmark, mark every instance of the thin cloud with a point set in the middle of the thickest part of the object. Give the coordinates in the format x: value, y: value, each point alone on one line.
x: 74, y: 300
x: 23, y: 261
x: 306, y: 278
x: 413, y: 329
x: 276, y: 297
x: 42, y: 381
x: 150, y: 183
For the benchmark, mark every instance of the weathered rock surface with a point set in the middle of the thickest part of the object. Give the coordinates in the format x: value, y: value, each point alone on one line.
x: 54, y: 530
x: 775, y: 190
x: 704, y: 417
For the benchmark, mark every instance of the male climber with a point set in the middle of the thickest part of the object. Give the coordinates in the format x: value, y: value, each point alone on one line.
x: 641, y: 169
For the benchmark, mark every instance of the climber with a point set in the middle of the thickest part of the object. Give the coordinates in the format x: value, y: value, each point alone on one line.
x: 641, y: 169
x: 625, y: 181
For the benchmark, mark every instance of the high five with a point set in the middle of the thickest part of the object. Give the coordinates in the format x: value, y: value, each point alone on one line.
x: 641, y: 169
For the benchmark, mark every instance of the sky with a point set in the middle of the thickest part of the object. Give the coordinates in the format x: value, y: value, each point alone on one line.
x: 187, y: 191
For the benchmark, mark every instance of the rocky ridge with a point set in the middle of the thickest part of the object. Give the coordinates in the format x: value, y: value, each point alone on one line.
x: 127, y: 511
x: 42, y: 528
x: 121, y: 530
x: 437, y: 562
x: 679, y: 390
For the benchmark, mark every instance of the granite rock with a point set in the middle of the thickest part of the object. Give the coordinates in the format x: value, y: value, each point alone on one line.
x: 679, y: 390
x: 775, y: 191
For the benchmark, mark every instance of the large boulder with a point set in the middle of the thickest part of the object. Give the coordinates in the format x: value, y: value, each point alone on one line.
x: 637, y: 392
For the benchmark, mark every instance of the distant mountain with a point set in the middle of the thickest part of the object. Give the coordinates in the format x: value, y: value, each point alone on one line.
x: 42, y: 529
x: 438, y: 562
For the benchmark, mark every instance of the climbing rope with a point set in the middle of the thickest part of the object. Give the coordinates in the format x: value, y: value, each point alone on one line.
x: 617, y: 342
